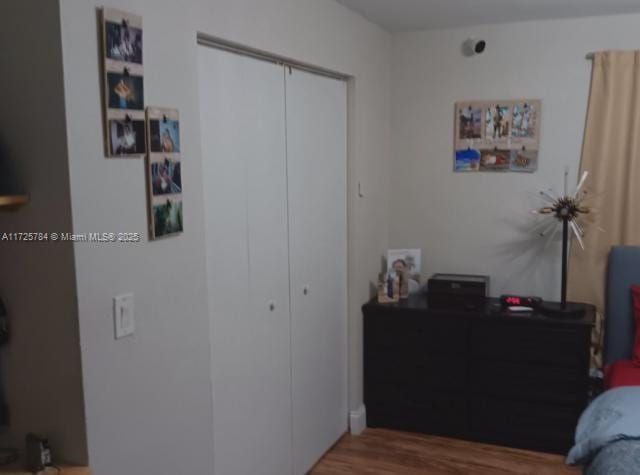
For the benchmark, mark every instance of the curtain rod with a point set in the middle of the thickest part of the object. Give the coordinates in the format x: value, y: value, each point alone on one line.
x: 237, y: 48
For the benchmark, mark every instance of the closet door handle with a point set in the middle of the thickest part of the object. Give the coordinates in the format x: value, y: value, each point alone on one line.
x: 306, y: 290
x: 272, y: 305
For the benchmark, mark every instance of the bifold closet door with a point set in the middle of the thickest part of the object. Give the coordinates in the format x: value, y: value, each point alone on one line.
x: 244, y: 158
x: 317, y: 175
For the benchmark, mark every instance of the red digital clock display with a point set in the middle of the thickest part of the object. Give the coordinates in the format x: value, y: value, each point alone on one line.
x: 513, y: 301
x: 519, y: 301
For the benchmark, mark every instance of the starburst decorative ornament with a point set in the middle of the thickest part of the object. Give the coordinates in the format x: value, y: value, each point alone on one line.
x: 567, y: 210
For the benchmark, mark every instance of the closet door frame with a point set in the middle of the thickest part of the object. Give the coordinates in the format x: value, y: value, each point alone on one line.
x: 247, y: 262
x: 316, y: 109
x: 294, y: 65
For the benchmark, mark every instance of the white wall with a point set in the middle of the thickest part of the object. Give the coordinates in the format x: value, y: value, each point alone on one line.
x: 41, y: 364
x: 148, y: 398
x: 479, y: 223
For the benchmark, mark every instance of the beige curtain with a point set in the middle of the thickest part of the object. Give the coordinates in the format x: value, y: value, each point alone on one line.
x: 611, y: 155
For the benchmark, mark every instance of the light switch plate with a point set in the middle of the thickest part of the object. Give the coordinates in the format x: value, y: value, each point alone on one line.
x: 123, y: 315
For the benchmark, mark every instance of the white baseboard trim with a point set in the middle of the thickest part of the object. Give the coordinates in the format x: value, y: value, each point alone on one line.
x: 358, y: 420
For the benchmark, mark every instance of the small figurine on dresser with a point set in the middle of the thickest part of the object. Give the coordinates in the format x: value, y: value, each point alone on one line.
x: 388, y: 288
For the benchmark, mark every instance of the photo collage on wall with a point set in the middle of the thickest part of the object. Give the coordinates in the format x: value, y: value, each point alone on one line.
x: 124, y: 84
x: 497, y: 136
x: 164, y: 172
x: 131, y: 131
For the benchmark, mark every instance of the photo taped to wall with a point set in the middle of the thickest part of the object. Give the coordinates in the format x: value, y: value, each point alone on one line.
x: 166, y: 215
x: 495, y: 160
x: 164, y: 136
x: 164, y: 130
x: 524, y: 160
x: 126, y: 137
x: 497, y: 121
x: 125, y: 90
x: 467, y: 160
x: 469, y: 122
x: 524, y: 120
x: 122, y: 38
x: 123, y: 42
x: 166, y: 175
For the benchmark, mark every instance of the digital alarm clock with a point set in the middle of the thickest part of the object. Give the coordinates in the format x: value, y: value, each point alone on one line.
x: 519, y: 301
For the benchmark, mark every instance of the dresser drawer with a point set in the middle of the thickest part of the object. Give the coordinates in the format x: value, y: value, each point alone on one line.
x: 522, y: 342
x: 432, y: 372
x: 439, y: 414
x: 416, y: 334
x: 520, y: 424
x: 528, y: 383
x: 519, y: 381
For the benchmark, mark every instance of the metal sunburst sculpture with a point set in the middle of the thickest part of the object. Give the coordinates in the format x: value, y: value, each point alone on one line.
x: 566, y: 209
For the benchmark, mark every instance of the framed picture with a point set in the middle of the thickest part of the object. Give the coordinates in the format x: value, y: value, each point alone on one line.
x: 406, y: 264
x: 497, y: 136
x: 122, y: 45
x: 164, y: 172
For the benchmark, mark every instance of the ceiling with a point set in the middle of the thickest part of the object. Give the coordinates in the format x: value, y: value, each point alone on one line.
x: 409, y: 15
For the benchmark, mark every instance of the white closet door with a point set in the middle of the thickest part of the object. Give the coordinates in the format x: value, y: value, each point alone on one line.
x: 317, y: 171
x: 243, y: 146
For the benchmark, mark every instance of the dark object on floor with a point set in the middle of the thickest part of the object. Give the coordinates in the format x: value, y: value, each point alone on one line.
x: 8, y: 456
x: 38, y: 453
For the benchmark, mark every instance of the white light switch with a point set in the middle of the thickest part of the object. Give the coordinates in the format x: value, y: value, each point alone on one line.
x: 123, y: 315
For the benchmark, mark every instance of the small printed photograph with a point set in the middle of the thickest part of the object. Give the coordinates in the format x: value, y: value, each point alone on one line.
x: 524, y: 121
x: 405, y: 262
x: 404, y: 259
x: 127, y: 137
x: 524, y: 161
x: 123, y: 42
x: 497, y: 121
x: 467, y: 160
x: 165, y: 177
x: 125, y: 91
x: 495, y: 160
x: 164, y: 136
x: 167, y: 216
x: 470, y: 122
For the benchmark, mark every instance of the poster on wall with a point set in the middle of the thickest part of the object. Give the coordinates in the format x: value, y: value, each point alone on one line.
x: 164, y: 172
x: 123, y: 84
x: 497, y: 136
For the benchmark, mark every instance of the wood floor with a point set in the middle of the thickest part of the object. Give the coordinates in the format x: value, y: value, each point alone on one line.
x: 381, y: 451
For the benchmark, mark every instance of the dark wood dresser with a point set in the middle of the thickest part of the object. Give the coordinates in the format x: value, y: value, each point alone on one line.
x: 487, y: 376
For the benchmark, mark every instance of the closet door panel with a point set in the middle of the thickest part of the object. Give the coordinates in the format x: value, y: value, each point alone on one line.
x: 243, y: 140
x: 317, y: 174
